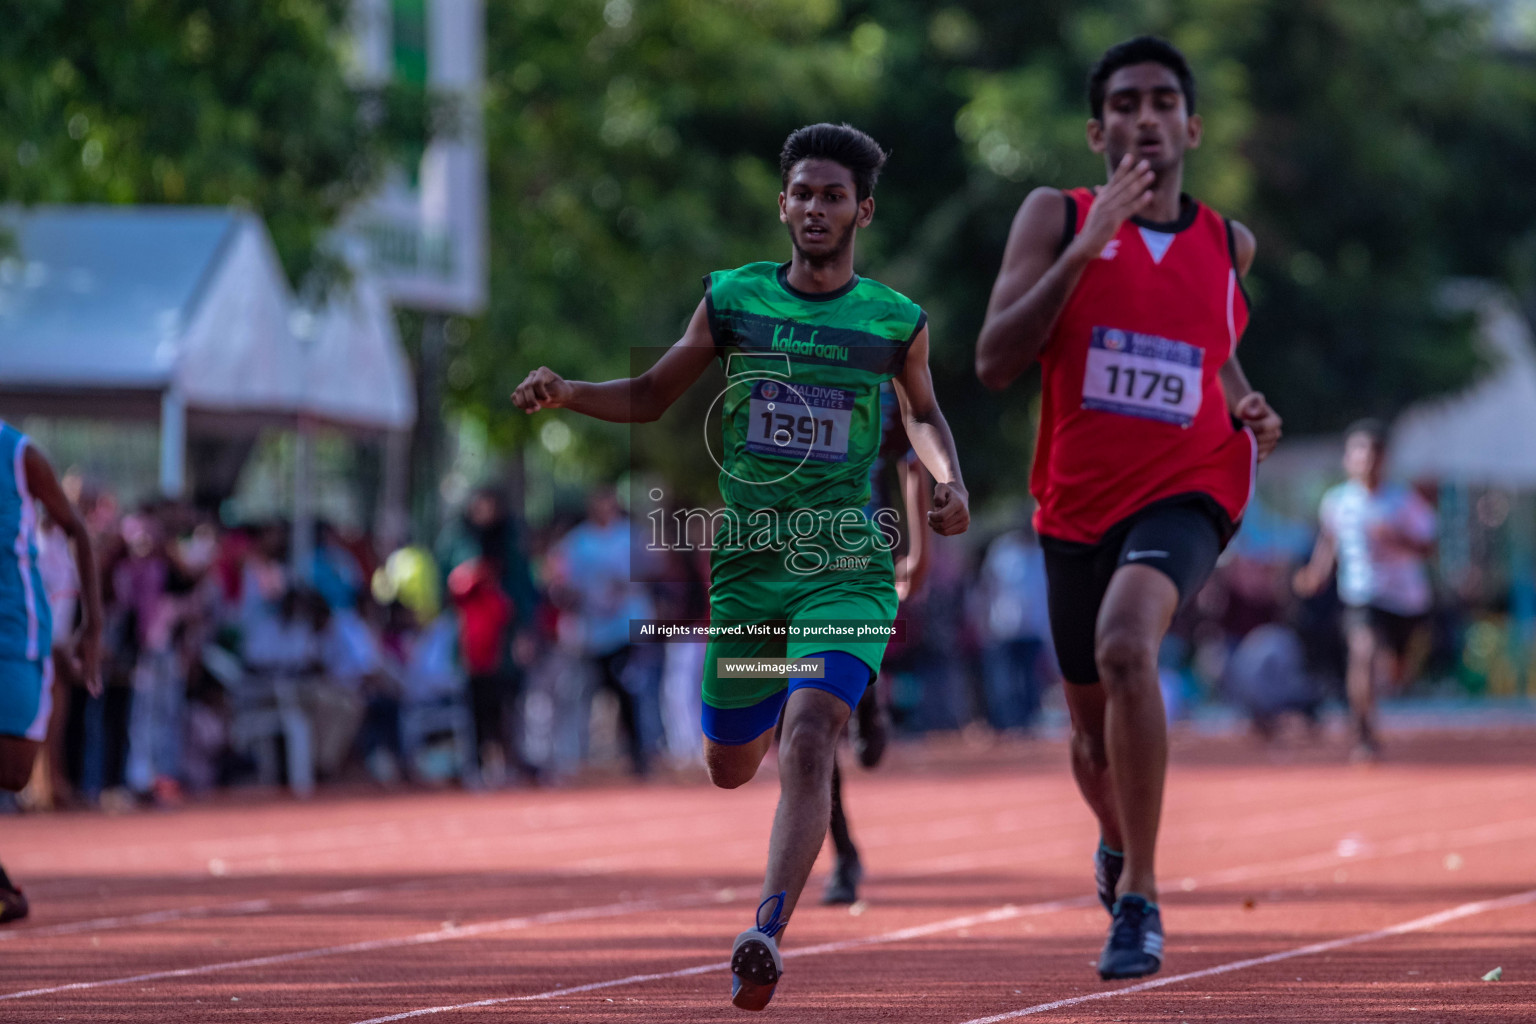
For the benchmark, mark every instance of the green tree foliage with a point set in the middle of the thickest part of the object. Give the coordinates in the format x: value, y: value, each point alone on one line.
x: 1386, y: 148
x: 177, y: 101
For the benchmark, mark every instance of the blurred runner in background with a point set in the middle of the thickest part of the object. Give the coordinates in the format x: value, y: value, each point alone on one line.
x: 1381, y: 535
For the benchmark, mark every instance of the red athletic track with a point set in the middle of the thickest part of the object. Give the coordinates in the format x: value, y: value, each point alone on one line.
x: 1416, y: 877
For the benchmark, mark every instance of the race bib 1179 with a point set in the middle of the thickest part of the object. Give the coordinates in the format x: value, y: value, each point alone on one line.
x: 1143, y: 375
x: 799, y: 421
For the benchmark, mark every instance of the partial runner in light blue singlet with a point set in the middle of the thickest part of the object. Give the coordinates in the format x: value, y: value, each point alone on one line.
x: 26, y: 622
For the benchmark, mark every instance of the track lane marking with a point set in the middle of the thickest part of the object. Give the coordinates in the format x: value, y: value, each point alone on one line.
x: 940, y: 865
x: 550, y: 826
x: 1176, y: 831
x: 1418, y: 924
x: 337, y: 897
x: 1513, y: 828
x: 1004, y: 913
x: 991, y: 917
x: 1402, y: 845
x: 1406, y: 844
x: 418, y: 939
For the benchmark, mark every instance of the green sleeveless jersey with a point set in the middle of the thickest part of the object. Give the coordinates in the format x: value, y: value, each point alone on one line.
x: 801, y: 409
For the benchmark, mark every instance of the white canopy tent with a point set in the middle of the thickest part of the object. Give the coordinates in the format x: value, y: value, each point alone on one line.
x: 1485, y: 435
x: 178, y: 312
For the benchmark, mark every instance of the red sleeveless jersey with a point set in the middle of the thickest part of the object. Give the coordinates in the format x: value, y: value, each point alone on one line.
x: 1131, y: 409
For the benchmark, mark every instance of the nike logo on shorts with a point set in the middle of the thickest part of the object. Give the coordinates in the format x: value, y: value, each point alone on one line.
x: 1136, y: 556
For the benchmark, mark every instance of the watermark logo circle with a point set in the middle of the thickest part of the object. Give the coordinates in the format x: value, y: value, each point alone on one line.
x: 779, y: 388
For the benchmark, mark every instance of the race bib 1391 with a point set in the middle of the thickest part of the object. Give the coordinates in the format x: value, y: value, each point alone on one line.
x: 799, y: 421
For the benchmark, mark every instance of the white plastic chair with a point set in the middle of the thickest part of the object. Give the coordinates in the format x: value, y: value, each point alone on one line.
x: 262, y: 709
x: 448, y: 713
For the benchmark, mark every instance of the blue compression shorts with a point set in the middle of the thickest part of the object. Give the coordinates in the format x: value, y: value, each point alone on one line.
x: 843, y: 675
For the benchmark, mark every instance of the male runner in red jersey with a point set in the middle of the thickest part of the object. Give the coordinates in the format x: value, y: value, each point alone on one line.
x: 1129, y: 297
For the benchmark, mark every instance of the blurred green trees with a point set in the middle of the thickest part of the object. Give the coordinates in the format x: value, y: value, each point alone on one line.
x: 178, y: 101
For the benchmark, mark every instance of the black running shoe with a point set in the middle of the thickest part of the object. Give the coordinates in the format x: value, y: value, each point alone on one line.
x: 1135, y: 945
x: 13, y: 904
x: 756, y: 965
x: 1107, y: 865
x: 843, y: 883
x: 868, y: 729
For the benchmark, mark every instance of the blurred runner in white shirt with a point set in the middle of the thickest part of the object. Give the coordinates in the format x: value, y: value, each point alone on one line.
x: 1381, y: 535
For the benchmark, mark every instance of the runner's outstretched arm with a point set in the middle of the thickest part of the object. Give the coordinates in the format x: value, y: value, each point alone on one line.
x: 1312, y: 577
x: 935, y: 445
x: 1035, y: 282
x: 44, y: 486
x: 1246, y: 404
x: 639, y: 399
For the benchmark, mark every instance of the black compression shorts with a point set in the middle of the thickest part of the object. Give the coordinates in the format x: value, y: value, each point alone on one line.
x: 1181, y: 537
x: 1391, y: 630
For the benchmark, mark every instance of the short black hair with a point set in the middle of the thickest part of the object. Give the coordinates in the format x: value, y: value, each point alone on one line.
x: 1141, y: 50
x: 1371, y: 428
x: 839, y: 143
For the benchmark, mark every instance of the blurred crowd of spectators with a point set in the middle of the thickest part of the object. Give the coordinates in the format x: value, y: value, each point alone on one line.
x: 481, y: 660
x: 477, y: 661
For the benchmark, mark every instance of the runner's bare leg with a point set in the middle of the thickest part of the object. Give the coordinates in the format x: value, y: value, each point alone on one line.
x: 813, y: 724
x: 1135, y: 614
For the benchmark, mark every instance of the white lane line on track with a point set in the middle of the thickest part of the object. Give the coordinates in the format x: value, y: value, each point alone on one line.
x: 357, y: 895
x: 700, y: 823
x: 543, y: 826
x: 1516, y: 828
x: 1513, y: 829
x: 261, y: 849
x: 1006, y: 913
x: 539, y: 823
x: 419, y: 939
x: 540, y: 828
x: 1416, y: 925
x: 338, y: 897
x: 1355, y: 812
x: 578, y: 872
x: 536, y: 829
x: 964, y: 824
x: 992, y: 917
x: 874, y: 839
x: 137, y: 920
x: 1405, y: 844
x: 948, y: 864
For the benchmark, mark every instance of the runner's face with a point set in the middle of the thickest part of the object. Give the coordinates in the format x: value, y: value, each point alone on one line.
x: 1145, y: 115
x: 821, y: 208
x: 1362, y: 459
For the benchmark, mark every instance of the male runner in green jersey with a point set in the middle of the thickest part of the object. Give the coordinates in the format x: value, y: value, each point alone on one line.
x: 805, y: 346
